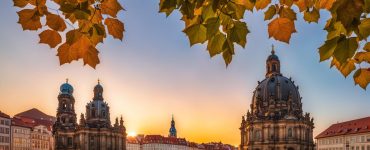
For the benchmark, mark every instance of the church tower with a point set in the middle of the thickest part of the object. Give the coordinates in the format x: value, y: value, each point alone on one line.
x: 97, y: 111
x: 173, y: 132
x: 66, y: 116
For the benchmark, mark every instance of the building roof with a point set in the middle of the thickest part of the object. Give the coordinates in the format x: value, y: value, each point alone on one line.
x: 163, y: 140
x: 349, y: 127
x: 36, y: 114
x: 18, y: 122
x: 4, y: 115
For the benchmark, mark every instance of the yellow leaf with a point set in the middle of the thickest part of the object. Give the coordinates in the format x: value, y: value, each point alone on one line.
x: 281, y: 29
x: 325, y: 4
x: 55, y: 22
x: 111, y: 7
x: 362, y: 57
x: 50, y: 37
x: 81, y: 46
x: 364, y: 27
x: 347, y: 67
x: 261, y: 4
x: 312, y: 16
x: 362, y: 77
x: 246, y: 3
x: 115, y: 28
x: 29, y: 19
x: 270, y: 13
x: 66, y: 55
x: 286, y: 12
x: 96, y: 17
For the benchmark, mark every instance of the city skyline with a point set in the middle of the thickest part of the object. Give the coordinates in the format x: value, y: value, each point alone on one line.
x: 146, y: 83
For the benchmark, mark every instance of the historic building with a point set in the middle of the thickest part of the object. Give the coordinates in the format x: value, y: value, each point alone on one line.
x: 94, y: 131
x: 276, y: 120
x: 349, y: 135
x: 4, y: 131
x: 20, y: 135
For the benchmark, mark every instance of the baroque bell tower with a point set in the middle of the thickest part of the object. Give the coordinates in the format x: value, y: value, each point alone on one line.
x: 66, y: 116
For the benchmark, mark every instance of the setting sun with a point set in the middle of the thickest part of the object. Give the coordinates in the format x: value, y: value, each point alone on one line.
x: 132, y: 133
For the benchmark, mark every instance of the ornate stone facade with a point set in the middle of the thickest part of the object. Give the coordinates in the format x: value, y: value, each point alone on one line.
x: 276, y: 120
x: 94, y: 132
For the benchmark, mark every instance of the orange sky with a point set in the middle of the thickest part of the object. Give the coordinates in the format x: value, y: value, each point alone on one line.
x: 154, y: 73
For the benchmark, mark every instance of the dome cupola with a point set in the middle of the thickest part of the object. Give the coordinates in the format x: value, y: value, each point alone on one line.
x: 272, y: 64
x: 276, y: 96
x: 98, y: 92
x: 66, y: 88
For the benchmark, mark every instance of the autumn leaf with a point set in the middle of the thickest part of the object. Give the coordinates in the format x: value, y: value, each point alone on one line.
x: 281, y: 29
x: 66, y: 55
x: 312, y: 16
x: 50, y: 37
x: 286, y: 12
x: 90, y: 57
x: 196, y: 33
x: 367, y: 47
x: 347, y: 68
x: 261, y: 4
x: 362, y: 77
x: 111, y: 7
x: 248, y: 4
x: 23, y: 3
x: 325, y: 4
x: 55, y: 22
x: 29, y: 19
x: 345, y: 49
x: 364, y: 27
x: 362, y: 57
x: 302, y: 4
x: 115, y: 28
x: 238, y: 33
x: 167, y: 6
x: 326, y: 51
x: 215, y: 44
x: 287, y: 2
x: 270, y: 12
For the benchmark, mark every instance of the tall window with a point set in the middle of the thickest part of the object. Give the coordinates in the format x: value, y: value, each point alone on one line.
x: 290, y: 132
x: 257, y: 135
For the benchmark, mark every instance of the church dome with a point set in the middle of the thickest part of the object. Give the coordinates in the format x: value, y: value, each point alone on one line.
x: 98, y: 92
x: 66, y: 88
x: 276, y: 96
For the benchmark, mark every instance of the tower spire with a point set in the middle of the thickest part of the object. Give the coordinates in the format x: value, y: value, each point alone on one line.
x: 173, y: 132
x: 272, y: 63
x: 272, y: 49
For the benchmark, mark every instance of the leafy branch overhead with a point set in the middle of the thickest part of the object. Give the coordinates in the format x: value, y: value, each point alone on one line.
x: 87, y: 21
x: 219, y: 23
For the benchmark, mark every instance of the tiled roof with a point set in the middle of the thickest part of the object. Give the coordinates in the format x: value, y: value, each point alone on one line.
x: 349, y: 127
x: 4, y: 115
x: 164, y: 140
x: 36, y: 114
x: 132, y: 140
x: 19, y: 122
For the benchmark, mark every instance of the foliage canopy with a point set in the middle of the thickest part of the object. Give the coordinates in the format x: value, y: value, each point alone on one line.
x: 219, y: 23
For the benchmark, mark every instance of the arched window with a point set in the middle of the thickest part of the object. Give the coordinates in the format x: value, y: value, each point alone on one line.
x: 273, y: 67
x: 103, y: 113
x: 290, y: 132
x: 257, y: 135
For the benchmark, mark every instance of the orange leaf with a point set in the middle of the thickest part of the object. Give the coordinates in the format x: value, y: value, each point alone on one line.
x: 261, y: 4
x: 55, y: 22
x: 91, y: 57
x: 66, y: 55
x: 115, y: 28
x: 281, y: 29
x: 50, y: 37
x: 111, y: 7
x: 29, y: 19
x: 325, y: 4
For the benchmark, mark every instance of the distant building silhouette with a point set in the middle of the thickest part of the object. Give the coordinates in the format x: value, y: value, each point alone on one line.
x: 276, y: 120
x: 173, y: 132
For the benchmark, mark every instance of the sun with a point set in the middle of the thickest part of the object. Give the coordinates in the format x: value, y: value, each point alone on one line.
x: 132, y: 133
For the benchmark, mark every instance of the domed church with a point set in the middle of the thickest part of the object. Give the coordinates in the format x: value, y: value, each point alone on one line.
x: 275, y: 120
x: 94, y: 131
